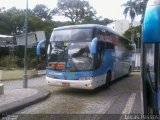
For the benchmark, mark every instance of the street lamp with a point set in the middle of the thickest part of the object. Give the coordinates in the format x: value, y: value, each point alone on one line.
x: 138, y: 36
x: 138, y: 52
x: 25, y: 51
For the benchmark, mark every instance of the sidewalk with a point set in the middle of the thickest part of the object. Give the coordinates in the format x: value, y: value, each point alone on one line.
x: 41, y: 72
x: 14, y: 100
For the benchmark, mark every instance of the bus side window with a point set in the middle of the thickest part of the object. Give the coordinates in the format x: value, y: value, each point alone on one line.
x: 109, y: 45
x: 100, y: 46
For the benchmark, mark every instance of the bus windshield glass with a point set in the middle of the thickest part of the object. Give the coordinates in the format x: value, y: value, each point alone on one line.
x: 70, y: 51
x: 72, y: 35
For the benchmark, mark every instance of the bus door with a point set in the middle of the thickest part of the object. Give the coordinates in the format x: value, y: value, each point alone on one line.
x: 151, y: 58
x: 150, y: 77
x: 42, y: 54
x: 100, y: 48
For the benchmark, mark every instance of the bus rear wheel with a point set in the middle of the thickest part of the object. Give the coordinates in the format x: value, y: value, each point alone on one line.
x: 108, y: 79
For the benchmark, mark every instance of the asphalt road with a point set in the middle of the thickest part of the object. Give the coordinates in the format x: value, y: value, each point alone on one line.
x: 122, y: 97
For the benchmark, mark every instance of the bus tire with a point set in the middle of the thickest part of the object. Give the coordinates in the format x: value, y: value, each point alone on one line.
x: 108, y: 79
x: 129, y: 71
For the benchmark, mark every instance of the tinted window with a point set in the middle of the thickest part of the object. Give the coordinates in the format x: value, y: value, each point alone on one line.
x: 72, y: 35
x: 109, y: 45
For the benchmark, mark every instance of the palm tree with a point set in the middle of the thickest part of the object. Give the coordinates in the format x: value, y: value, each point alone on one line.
x: 141, y: 8
x: 130, y: 7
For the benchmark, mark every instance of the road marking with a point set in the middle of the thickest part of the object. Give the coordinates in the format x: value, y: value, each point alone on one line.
x: 128, y: 107
x: 129, y: 104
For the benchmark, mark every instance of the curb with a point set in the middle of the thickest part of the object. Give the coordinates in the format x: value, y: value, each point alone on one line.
x: 20, y: 104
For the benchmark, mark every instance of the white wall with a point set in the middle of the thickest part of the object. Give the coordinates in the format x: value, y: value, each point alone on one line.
x: 33, y: 38
x: 121, y: 26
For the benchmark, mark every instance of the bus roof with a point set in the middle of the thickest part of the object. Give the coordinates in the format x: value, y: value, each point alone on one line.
x: 89, y: 26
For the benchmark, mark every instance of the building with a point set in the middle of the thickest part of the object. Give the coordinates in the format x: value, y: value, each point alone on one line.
x: 121, y: 26
x: 33, y: 38
x: 6, y: 41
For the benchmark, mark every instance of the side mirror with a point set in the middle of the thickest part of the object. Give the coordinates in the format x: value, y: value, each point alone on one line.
x: 38, y: 50
x: 93, y: 48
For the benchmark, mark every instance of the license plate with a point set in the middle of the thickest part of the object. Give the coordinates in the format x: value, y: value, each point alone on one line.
x: 65, y: 84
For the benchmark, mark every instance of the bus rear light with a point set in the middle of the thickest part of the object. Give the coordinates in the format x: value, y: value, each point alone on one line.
x: 60, y: 65
x: 56, y: 65
x: 52, y: 65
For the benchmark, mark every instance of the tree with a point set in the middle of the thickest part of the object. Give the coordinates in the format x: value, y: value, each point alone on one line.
x: 141, y: 8
x: 2, y: 9
x: 130, y: 7
x: 136, y: 30
x: 11, y: 21
x: 103, y: 21
x: 76, y: 10
x: 42, y: 12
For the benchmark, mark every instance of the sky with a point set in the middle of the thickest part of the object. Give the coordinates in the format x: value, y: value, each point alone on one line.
x: 111, y: 9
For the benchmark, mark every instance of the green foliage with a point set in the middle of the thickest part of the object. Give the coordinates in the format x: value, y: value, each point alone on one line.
x: 76, y: 10
x: 134, y: 7
x: 137, y: 30
x: 20, y: 54
x: 141, y: 7
x: 4, y: 51
x: 42, y: 12
x: 17, y: 60
x: 32, y: 63
x: 11, y: 21
x: 130, y: 7
x: 31, y: 53
x: 7, y: 62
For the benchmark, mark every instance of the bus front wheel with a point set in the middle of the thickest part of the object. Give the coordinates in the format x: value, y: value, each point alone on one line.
x: 108, y: 79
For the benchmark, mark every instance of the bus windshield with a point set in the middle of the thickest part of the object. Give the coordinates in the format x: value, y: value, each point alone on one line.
x: 71, y: 51
x: 80, y: 34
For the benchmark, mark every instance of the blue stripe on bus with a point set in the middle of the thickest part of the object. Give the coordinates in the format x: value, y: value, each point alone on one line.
x: 108, y: 59
x: 68, y: 75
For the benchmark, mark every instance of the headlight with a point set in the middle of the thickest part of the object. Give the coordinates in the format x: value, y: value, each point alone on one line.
x: 86, y: 78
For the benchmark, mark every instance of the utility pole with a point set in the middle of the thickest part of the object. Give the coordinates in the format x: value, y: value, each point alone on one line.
x: 138, y: 36
x: 25, y: 51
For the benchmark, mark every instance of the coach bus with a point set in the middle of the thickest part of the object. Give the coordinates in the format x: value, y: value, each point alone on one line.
x: 87, y: 56
x: 151, y: 58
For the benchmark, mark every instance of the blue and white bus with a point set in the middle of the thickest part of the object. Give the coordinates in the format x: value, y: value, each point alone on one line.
x: 87, y: 56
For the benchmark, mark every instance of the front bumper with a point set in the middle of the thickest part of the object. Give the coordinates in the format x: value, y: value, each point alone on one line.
x: 81, y: 84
